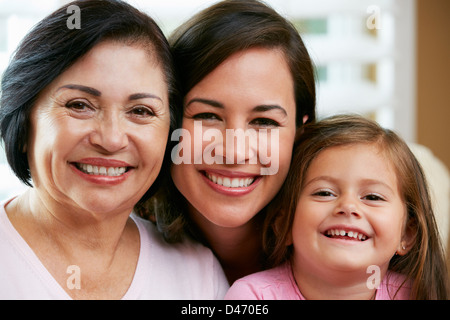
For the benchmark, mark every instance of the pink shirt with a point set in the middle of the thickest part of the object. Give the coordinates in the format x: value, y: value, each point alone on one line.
x: 186, y: 270
x: 279, y: 284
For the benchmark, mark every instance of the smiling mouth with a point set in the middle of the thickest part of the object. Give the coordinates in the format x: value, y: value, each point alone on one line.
x: 100, y: 170
x: 346, y: 235
x: 228, y: 182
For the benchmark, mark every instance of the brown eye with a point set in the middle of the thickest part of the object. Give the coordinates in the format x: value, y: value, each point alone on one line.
x: 265, y: 122
x: 206, y: 116
x: 323, y: 193
x: 142, y: 112
x: 373, y: 197
x: 80, y: 109
x: 77, y: 105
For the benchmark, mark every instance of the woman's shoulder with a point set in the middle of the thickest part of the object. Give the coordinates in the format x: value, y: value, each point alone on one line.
x: 188, y: 266
x: 153, y: 237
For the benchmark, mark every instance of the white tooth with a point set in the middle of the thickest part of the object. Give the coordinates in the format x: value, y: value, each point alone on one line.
x: 360, y: 236
x: 331, y: 232
x: 350, y: 234
x: 235, y: 183
x: 241, y: 183
x: 111, y: 171
x: 342, y: 233
x: 121, y: 170
x: 102, y: 170
x: 227, y: 182
x: 214, y: 179
x: 116, y: 171
x: 219, y: 181
x: 355, y: 235
x: 89, y: 168
x: 363, y: 238
x: 95, y: 169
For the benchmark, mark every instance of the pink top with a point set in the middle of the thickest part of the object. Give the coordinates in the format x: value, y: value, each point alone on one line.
x: 279, y: 284
x: 186, y: 270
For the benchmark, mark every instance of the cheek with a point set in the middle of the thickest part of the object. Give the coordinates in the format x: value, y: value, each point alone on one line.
x: 389, y: 227
x: 279, y: 156
x: 178, y: 171
x: 151, y: 144
x: 46, y: 138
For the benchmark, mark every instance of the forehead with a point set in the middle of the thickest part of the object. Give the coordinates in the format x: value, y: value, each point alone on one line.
x: 354, y: 161
x: 249, y: 76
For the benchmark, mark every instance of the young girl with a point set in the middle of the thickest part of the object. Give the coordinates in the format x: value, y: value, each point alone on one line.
x: 353, y: 221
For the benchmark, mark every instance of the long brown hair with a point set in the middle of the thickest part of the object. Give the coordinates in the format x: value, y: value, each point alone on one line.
x: 424, y: 264
x: 199, y: 46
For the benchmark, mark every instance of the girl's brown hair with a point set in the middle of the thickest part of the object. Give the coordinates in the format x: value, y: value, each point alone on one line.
x: 424, y: 264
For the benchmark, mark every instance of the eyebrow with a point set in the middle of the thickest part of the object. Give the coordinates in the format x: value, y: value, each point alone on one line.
x: 216, y: 104
x: 97, y: 93
x: 212, y: 103
x: 80, y: 87
x: 363, y: 181
x: 137, y: 96
x: 264, y: 108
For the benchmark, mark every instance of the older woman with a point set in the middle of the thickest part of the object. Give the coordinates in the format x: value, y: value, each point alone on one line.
x: 85, y: 118
x: 243, y: 68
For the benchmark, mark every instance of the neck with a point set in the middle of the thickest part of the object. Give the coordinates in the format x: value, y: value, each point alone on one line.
x: 71, y: 230
x: 103, y: 246
x: 333, y: 285
x: 238, y: 249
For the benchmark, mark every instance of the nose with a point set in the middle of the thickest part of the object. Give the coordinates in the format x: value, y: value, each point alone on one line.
x: 348, y: 206
x: 240, y: 146
x: 110, y: 133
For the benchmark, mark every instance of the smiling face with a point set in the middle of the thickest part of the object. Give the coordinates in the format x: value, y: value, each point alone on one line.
x: 350, y: 213
x: 251, y: 91
x: 99, y: 131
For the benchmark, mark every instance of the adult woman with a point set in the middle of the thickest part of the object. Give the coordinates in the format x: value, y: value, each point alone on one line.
x: 241, y: 67
x: 78, y: 109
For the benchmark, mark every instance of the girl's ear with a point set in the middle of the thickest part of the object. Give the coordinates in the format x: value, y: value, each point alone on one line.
x: 408, y: 239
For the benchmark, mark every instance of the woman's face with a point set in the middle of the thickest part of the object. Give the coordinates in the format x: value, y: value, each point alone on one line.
x: 99, y: 130
x: 350, y: 213
x: 239, y: 124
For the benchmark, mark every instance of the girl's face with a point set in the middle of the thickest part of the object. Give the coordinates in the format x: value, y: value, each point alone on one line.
x: 251, y: 93
x: 99, y: 131
x: 350, y: 213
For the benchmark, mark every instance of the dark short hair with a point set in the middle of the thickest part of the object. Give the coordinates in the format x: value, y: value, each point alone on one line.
x: 51, y: 47
x: 210, y: 37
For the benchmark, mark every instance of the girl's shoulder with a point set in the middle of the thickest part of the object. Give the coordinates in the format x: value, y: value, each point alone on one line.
x: 395, y: 286
x: 272, y: 284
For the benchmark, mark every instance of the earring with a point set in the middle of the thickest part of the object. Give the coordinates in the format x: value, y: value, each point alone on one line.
x: 403, y: 248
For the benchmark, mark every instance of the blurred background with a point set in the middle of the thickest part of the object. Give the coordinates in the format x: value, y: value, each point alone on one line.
x: 386, y: 59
